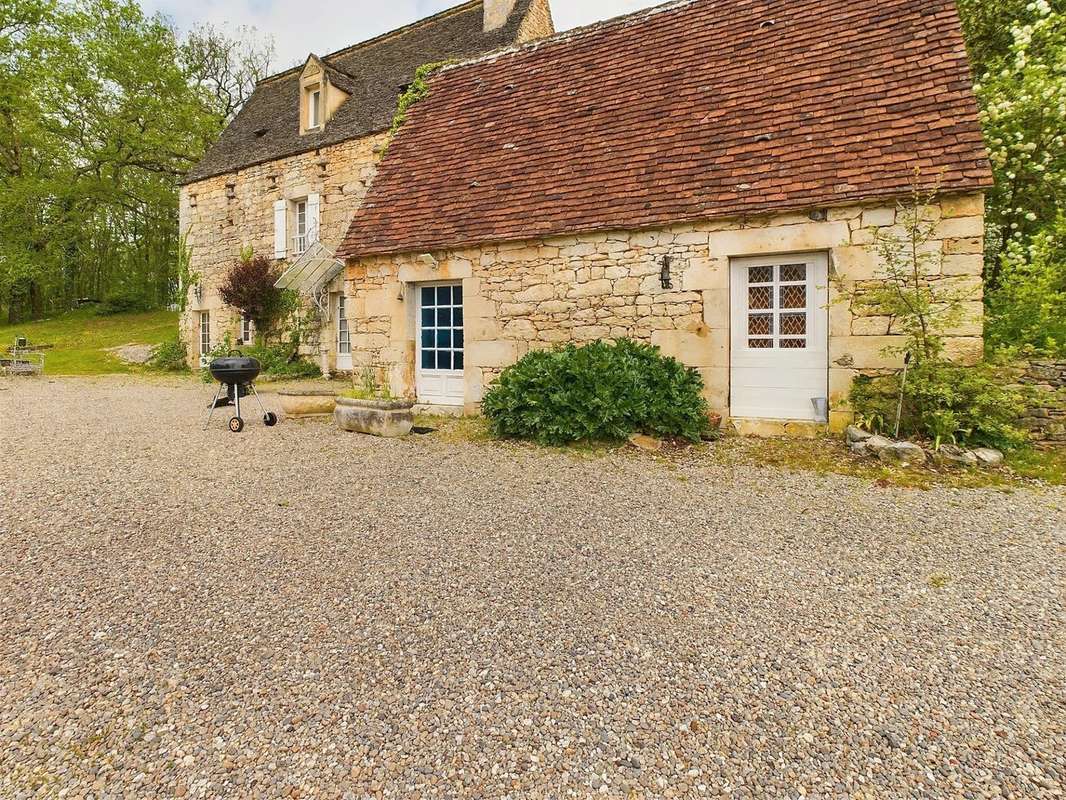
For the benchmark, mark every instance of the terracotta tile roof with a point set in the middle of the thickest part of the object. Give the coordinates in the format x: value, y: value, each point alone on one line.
x: 699, y: 109
x: 372, y: 72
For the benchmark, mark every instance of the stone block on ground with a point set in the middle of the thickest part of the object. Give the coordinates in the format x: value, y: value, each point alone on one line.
x: 988, y: 457
x: 902, y: 454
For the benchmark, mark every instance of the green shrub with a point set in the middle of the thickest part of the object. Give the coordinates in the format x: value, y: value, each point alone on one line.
x: 603, y: 391
x: 169, y: 356
x: 945, y: 403
x: 282, y: 361
x: 276, y: 360
x: 124, y: 301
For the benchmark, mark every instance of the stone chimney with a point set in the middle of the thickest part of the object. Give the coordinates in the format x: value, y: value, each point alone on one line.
x: 497, y: 12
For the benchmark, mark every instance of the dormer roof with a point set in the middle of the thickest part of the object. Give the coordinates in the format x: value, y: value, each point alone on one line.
x: 371, y: 72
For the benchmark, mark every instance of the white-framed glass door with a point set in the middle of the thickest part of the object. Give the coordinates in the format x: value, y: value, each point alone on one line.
x: 440, y: 355
x: 344, y: 338
x: 779, y: 360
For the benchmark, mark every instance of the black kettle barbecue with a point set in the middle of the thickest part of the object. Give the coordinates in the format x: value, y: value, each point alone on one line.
x: 236, y: 374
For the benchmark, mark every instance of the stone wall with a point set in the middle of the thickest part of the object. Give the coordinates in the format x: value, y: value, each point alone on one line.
x: 1045, y: 419
x: 219, y: 216
x: 535, y: 294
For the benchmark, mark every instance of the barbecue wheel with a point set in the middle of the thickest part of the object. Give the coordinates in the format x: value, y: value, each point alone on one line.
x: 270, y: 420
x: 236, y: 424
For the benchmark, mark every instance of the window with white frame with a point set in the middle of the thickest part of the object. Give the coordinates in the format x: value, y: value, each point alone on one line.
x: 314, y: 108
x: 205, y: 333
x: 299, y: 241
x: 778, y: 308
x: 344, y: 340
x: 247, y: 329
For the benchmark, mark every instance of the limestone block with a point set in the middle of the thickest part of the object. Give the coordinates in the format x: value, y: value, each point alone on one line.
x: 520, y: 329
x: 960, y: 227
x: 864, y: 352
x: 965, y: 205
x: 844, y: 214
x: 973, y: 264
x: 585, y: 333
x: 878, y: 217
x: 715, y: 386
x: 706, y: 274
x: 716, y: 308
x: 705, y: 348
x: 452, y: 270
x: 964, y: 349
x: 555, y: 307
x: 491, y: 353
x: 870, y: 326
x: 627, y: 287
x: 783, y: 239
x: 840, y: 315
x: 589, y: 289
x: 840, y: 381
x: 516, y: 309
x: 693, y: 238
x: 970, y: 245
x: 475, y: 385
x: 856, y: 263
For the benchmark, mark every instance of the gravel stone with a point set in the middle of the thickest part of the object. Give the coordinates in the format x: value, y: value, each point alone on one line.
x: 304, y: 613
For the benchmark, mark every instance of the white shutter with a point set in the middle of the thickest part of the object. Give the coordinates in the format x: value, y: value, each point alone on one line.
x: 280, y: 210
x: 314, y: 202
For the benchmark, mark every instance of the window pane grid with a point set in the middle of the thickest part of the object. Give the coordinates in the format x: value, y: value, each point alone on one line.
x: 344, y: 341
x: 441, y: 322
x: 777, y: 307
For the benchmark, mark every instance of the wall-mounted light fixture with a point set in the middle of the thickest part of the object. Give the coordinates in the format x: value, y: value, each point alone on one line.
x: 664, y: 275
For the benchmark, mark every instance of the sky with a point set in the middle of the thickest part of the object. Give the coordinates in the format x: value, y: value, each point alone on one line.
x: 298, y: 30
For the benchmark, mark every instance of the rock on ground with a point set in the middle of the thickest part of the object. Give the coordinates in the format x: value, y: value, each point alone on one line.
x: 300, y: 612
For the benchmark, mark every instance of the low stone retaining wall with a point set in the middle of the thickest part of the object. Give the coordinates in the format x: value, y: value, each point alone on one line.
x: 1046, y: 419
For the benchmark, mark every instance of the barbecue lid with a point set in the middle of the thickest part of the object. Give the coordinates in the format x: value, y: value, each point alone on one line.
x: 235, y: 368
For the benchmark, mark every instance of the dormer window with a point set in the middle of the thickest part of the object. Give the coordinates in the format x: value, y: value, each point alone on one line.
x: 320, y: 96
x: 314, y: 108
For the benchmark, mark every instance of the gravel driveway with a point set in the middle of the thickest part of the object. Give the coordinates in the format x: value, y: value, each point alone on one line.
x: 298, y: 612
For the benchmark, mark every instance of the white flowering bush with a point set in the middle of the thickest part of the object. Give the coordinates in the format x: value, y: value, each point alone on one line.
x: 1023, y: 110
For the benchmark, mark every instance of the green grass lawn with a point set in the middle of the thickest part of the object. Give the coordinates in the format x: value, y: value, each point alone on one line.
x: 82, y: 338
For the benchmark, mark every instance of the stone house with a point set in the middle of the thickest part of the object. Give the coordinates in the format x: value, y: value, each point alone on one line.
x: 703, y: 176
x: 289, y: 172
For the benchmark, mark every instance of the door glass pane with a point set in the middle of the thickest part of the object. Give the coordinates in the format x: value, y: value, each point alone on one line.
x: 760, y: 297
x: 444, y: 317
x: 457, y: 317
x: 793, y: 344
x: 761, y: 324
x: 794, y: 296
x: 793, y: 324
x: 760, y: 275
x: 457, y: 295
x: 761, y: 344
x: 429, y: 295
x: 427, y: 318
x: 427, y: 338
x: 457, y: 339
x: 429, y: 360
x: 793, y: 272
x: 444, y: 338
x: 444, y: 359
x: 457, y: 360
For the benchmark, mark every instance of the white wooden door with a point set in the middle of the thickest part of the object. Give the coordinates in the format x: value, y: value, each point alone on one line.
x: 440, y: 356
x: 780, y: 336
x: 344, y: 340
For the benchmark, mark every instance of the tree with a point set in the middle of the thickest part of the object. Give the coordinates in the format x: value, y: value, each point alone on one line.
x: 249, y: 288
x: 1022, y: 92
x: 102, y: 111
x: 226, y: 67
